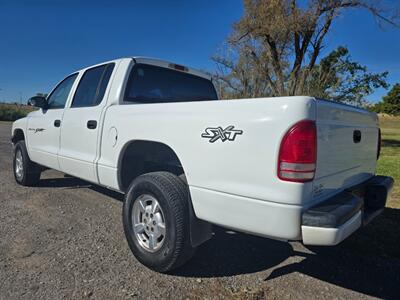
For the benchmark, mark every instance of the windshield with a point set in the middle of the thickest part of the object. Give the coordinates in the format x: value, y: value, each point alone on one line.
x: 153, y: 84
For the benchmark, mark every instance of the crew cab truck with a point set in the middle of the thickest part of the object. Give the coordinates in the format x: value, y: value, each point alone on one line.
x: 288, y: 168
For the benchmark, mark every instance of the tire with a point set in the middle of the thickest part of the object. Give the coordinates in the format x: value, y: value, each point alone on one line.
x: 168, y: 251
x: 26, y: 172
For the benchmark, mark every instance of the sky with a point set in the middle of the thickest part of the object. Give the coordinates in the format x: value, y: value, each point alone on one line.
x: 44, y: 40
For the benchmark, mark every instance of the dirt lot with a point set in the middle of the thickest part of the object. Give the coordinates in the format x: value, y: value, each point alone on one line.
x: 64, y: 239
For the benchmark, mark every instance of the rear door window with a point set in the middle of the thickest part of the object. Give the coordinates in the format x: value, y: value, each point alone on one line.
x: 153, y: 84
x: 92, y: 86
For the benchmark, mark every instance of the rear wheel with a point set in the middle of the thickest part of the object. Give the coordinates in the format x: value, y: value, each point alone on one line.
x: 156, y: 221
x: 26, y: 172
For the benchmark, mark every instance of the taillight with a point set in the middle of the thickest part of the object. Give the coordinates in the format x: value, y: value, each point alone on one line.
x: 379, y: 144
x: 298, y: 153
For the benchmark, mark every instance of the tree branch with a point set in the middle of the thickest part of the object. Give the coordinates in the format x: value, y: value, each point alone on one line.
x: 276, y: 64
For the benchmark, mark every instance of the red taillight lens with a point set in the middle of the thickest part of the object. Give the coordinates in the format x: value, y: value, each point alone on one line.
x: 298, y: 153
x: 379, y: 144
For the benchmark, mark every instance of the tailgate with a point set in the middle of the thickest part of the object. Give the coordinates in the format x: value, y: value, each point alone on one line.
x: 347, y: 147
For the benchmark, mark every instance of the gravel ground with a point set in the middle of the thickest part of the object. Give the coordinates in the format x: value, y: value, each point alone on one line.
x: 64, y: 239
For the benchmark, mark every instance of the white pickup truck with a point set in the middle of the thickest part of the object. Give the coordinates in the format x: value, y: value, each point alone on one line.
x: 289, y: 168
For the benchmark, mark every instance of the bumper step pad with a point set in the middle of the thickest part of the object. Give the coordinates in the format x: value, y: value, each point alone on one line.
x: 330, y: 222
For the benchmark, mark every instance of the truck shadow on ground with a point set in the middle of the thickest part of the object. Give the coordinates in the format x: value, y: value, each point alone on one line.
x: 69, y: 182
x: 368, y: 262
x: 64, y: 182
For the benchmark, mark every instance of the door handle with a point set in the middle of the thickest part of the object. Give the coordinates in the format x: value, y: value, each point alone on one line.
x: 57, y: 123
x: 356, y: 136
x: 91, y: 124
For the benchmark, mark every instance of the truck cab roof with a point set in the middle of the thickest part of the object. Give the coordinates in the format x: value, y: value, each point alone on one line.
x: 155, y: 62
x: 168, y: 64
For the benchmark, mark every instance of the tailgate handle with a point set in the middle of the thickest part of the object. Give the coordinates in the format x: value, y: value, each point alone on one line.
x: 356, y: 136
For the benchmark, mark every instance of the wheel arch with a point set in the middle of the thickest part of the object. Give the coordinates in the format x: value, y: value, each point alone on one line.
x: 17, y: 135
x: 146, y: 156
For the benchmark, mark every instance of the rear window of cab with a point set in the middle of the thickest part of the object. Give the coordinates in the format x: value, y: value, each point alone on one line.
x: 154, y: 84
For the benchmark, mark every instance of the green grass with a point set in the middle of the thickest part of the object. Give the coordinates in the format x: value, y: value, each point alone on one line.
x: 12, y: 112
x: 389, y: 162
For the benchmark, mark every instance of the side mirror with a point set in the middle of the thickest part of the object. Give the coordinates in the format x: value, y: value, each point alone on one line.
x: 38, y: 101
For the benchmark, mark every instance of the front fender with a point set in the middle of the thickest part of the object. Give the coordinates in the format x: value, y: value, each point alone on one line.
x: 19, y: 124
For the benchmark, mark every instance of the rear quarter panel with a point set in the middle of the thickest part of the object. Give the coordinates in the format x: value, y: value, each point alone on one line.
x: 243, y: 167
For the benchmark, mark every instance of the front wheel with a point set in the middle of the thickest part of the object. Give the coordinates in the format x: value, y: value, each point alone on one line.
x: 156, y: 221
x: 26, y: 172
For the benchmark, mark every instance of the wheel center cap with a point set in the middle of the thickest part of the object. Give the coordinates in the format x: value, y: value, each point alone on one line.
x: 151, y: 225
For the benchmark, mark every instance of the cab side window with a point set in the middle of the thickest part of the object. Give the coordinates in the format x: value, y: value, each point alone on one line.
x: 91, y: 88
x: 59, y: 96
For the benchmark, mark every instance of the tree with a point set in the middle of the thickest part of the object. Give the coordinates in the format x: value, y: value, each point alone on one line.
x: 339, y: 78
x: 41, y: 94
x: 279, y: 43
x: 391, y: 102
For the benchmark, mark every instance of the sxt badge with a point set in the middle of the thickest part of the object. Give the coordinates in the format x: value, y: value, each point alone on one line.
x: 216, y: 133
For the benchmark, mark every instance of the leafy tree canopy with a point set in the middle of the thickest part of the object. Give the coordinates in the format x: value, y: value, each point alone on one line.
x: 391, y: 102
x: 275, y: 48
